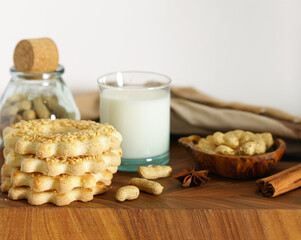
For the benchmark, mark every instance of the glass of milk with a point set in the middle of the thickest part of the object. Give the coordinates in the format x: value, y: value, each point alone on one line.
x: 137, y: 104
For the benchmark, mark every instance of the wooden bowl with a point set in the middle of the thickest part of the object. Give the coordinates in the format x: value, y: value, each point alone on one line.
x: 242, y: 167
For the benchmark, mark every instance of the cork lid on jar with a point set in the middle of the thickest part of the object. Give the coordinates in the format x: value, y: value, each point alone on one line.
x: 39, y: 55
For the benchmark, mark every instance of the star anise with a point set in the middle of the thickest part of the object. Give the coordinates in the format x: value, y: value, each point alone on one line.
x: 192, y: 177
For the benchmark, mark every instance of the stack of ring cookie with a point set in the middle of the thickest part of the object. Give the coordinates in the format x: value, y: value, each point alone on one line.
x: 59, y: 161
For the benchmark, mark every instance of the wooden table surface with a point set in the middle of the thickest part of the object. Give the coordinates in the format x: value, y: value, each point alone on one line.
x: 221, y: 209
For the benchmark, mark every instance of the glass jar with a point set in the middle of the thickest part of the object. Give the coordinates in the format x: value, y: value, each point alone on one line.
x: 36, y: 96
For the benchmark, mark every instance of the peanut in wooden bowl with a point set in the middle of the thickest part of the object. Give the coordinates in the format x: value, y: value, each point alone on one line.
x: 241, y: 167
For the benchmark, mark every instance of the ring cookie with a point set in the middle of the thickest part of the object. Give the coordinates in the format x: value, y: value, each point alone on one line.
x: 59, y: 199
x: 71, y: 165
x: 61, y: 138
x: 13, y: 177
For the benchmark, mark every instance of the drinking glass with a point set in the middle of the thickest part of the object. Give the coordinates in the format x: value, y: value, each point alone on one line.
x: 137, y: 104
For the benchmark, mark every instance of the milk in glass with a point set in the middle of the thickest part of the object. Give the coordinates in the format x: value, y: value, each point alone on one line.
x: 142, y: 116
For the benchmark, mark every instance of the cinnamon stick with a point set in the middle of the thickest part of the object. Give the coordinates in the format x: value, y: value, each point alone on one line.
x: 281, y: 182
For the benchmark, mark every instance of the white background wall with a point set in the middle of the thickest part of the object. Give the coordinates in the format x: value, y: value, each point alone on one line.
x: 240, y: 50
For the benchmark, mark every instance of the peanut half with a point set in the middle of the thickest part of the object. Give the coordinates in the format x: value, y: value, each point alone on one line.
x: 127, y: 193
x: 148, y: 186
x: 154, y: 172
x: 16, y: 98
x: 40, y: 108
x: 29, y: 114
x: 53, y: 105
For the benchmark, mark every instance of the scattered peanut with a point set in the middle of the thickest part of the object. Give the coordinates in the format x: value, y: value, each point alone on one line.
x: 127, y: 193
x: 154, y: 172
x: 148, y: 186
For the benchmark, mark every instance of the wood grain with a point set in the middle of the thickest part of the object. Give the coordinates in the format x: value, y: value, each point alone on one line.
x: 221, y: 209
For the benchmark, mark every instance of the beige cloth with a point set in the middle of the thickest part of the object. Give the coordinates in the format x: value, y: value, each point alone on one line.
x: 193, y: 112
x: 88, y: 104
